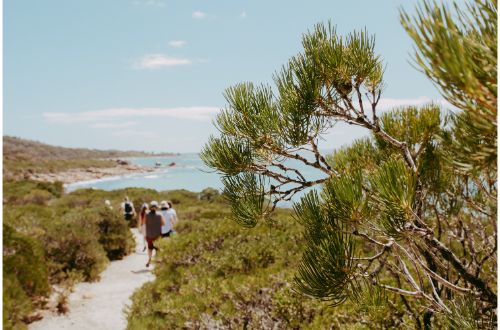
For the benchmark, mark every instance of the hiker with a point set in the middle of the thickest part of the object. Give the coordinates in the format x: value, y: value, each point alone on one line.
x: 141, y: 223
x: 167, y: 229
x: 154, y: 221
x: 173, y: 215
x: 128, y: 209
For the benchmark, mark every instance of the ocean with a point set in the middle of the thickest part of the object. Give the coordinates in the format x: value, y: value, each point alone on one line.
x: 189, y: 173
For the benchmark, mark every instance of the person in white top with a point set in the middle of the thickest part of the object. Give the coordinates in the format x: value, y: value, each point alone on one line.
x: 170, y: 219
x: 173, y: 214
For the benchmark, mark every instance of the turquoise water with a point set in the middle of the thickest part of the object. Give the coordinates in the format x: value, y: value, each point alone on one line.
x: 189, y: 173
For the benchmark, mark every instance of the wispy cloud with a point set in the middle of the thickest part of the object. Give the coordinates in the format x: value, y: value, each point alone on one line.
x: 133, y: 133
x: 115, y: 125
x: 199, y: 15
x: 102, y: 117
x: 154, y: 3
x: 155, y: 61
x: 243, y: 14
x: 177, y: 43
x: 389, y: 103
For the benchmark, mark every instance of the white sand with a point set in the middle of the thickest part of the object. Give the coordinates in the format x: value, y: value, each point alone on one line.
x: 100, y: 305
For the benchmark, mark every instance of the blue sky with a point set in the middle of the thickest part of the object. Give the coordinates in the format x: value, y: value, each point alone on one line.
x: 149, y: 74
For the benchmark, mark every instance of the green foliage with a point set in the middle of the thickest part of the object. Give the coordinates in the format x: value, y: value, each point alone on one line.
x: 465, y: 315
x: 215, y: 273
x: 326, y: 243
x: 25, y: 276
x: 457, y: 50
x: 16, y: 303
x: 415, y: 126
x: 23, y: 258
x: 410, y: 210
x: 209, y: 194
x: 69, y: 241
x: 71, y: 244
x: 395, y: 189
x: 361, y: 155
x: 261, y: 129
x: 114, y: 235
x: 30, y: 192
x: 245, y: 193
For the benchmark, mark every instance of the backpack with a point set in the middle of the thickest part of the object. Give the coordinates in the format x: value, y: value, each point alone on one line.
x: 128, y: 208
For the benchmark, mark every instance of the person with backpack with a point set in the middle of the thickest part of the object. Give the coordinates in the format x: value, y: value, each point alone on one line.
x: 154, y: 222
x: 128, y: 209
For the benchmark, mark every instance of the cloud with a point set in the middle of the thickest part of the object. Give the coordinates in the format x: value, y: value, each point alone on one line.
x: 102, y: 117
x: 114, y: 125
x: 131, y: 133
x: 243, y: 14
x: 389, y: 103
x: 155, y: 61
x: 199, y: 15
x: 177, y: 43
x: 155, y: 3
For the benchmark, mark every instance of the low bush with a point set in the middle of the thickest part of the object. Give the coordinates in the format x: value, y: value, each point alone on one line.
x: 114, y: 235
x: 23, y: 258
x: 209, y: 194
x: 16, y: 303
x: 25, y: 276
x: 71, y: 244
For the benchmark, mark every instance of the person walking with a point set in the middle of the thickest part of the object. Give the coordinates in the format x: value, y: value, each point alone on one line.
x: 167, y: 229
x: 128, y: 209
x: 154, y: 221
x: 141, y: 223
x: 172, y: 214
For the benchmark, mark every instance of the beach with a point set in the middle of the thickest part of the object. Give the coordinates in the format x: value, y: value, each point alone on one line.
x: 91, y: 173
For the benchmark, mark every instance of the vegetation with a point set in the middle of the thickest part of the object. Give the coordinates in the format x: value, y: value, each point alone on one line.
x: 216, y: 274
x: 51, y: 239
x: 410, y: 211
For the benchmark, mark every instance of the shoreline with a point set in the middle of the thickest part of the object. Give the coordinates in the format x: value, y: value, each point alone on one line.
x: 76, y: 175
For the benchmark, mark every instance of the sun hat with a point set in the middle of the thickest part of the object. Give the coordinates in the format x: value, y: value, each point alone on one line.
x: 145, y: 206
x: 164, y: 204
x: 153, y: 204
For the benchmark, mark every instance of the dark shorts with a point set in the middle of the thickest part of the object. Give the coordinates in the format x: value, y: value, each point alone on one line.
x: 129, y: 217
x: 167, y: 234
x: 150, y: 241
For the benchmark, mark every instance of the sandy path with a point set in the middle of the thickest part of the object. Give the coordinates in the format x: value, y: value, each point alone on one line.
x: 100, y: 305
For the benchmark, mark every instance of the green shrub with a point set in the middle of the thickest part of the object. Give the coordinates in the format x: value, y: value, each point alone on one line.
x: 27, y: 191
x: 16, y: 303
x: 114, y: 235
x: 208, y: 194
x: 23, y: 258
x: 37, y: 196
x: 72, y: 244
x: 25, y: 276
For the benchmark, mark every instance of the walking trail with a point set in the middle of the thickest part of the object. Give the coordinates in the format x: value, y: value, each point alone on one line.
x: 100, y: 305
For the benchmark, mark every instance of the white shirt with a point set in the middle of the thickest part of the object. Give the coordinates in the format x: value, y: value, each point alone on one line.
x: 168, y: 221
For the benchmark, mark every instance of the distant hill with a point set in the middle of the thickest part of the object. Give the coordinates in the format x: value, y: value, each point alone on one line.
x: 22, y: 157
x: 14, y: 147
